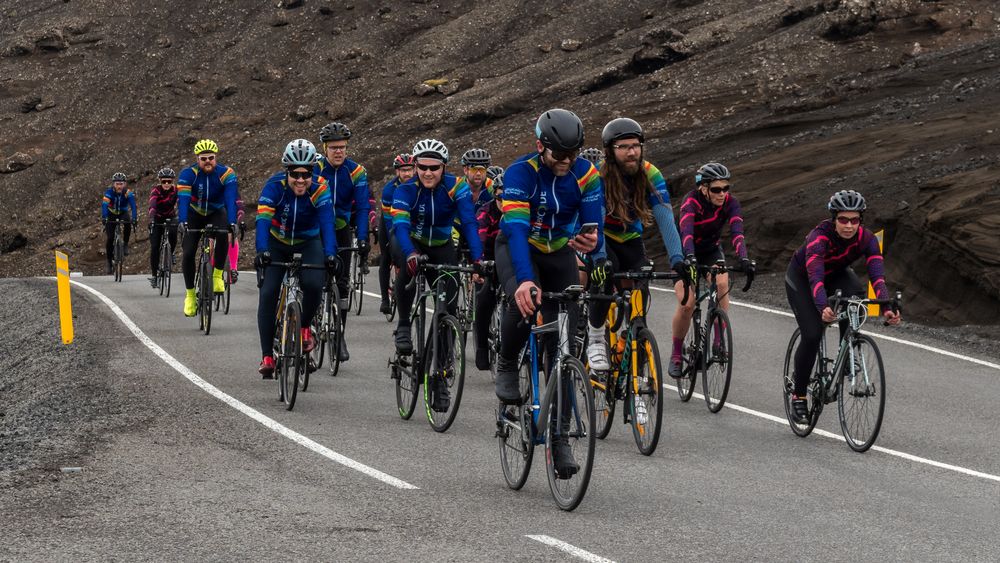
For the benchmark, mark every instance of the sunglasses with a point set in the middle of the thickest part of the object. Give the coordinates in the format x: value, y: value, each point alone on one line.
x: 477, y: 168
x: 340, y: 148
x: 166, y: 182
x: 629, y: 147
x: 849, y: 220
x: 719, y: 190
x: 299, y: 175
x: 208, y: 158
x: 560, y: 156
x: 431, y: 167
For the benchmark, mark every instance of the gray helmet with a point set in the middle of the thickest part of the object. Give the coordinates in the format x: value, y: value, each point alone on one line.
x: 593, y: 154
x: 166, y: 173
x: 119, y: 177
x: 493, y: 172
x: 710, y: 172
x: 559, y: 130
x: 621, y: 128
x: 476, y: 157
x: 299, y: 152
x: 846, y: 200
x: 334, y: 132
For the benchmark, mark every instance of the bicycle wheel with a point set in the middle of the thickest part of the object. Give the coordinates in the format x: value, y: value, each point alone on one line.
x: 335, y: 330
x: 689, y: 372
x: 603, y: 383
x: 167, y: 265
x: 207, y: 296
x: 353, y: 275
x: 444, y: 373
x: 227, y: 275
x: 861, y: 400
x: 320, y: 325
x: 291, y: 354
x: 392, y: 295
x: 577, y: 426
x: 646, y: 394
x: 815, y: 407
x: 493, y: 336
x: 717, y: 365
x: 359, y: 283
x: 515, y: 433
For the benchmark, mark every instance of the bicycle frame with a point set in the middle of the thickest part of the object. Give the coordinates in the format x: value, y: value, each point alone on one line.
x: 855, y: 311
x: 541, y: 411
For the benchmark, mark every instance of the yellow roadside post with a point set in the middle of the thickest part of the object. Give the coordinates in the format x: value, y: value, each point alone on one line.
x: 873, y: 310
x: 65, y: 307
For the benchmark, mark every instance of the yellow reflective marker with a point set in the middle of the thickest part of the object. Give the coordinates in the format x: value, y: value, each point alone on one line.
x: 873, y: 310
x: 65, y: 307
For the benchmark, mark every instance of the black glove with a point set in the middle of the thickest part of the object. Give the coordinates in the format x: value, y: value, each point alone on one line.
x: 135, y: 224
x: 104, y: 221
x: 363, y: 247
x: 599, y: 271
x: 262, y: 260
x: 683, y: 271
x: 332, y: 263
x: 748, y: 266
x: 150, y: 228
x: 243, y: 230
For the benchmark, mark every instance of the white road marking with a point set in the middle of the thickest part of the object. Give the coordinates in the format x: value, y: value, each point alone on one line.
x: 904, y: 455
x: 874, y: 334
x: 241, y: 407
x: 569, y: 548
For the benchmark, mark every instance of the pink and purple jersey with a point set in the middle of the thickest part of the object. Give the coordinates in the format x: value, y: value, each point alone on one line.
x: 701, y: 224
x: 825, y: 252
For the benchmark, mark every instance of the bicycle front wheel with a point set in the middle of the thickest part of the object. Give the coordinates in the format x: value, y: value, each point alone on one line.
x: 444, y: 373
x: 788, y: 387
x: 690, y: 364
x: 861, y: 400
x: 603, y: 383
x: 206, y: 297
x: 291, y: 354
x: 493, y: 337
x: 515, y: 433
x: 336, y: 331
x: 320, y: 324
x: 227, y: 295
x: 717, y: 367
x: 647, y: 394
x: 352, y: 277
x: 359, y: 284
x: 570, y: 424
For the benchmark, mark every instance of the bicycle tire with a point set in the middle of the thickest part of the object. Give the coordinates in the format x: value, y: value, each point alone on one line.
x: 336, y: 329
x: 119, y: 251
x: 168, y: 272
x: 604, y: 401
x: 360, y: 285
x: 319, y: 326
x: 207, y: 295
x: 647, y: 434
x: 291, y: 354
x: 227, y: 275
x: 689, y: 372
x: 454, y: 370
x: 352, y: 275
x: 788, y: 386
x: 568, y: 493
x: 391, y: 290
x: 718, y: 354
x: 493, y: 336
x: 861, y: 439
x: 515, y: 432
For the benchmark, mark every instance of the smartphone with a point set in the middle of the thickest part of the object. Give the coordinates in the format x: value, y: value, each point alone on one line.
x: 588, y: 228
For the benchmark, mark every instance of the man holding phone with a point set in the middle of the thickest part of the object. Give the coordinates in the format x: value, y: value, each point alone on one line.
x: 544, y: 194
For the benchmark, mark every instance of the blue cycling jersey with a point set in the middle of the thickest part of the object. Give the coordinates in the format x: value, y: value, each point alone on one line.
x: 117, y: 204
x: 206, y: 193
x: 349, y: 189
x: 428, y: 214
x: 289, y: 219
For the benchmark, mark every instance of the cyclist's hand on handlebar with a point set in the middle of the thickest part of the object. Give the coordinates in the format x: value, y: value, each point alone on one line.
x: 332, y: 263
x: 748, y: 267
x: 182, y: 228
x: 891, y: 318
x: 243, y: 230
x: 599, y: 272
x: 522, y: 297
x: 412, y: 263
x: 363, y: 247
x: 477, y: 277
x: 828, y: 315
x: 262, y: 260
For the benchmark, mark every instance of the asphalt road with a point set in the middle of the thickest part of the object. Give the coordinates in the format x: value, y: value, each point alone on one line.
x: 214, y: 483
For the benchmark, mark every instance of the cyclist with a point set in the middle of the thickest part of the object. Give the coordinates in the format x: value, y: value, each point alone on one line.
x: 705, y: 211
x: 294, y: 216
x: 162, y: 209
x: 348, y: 182
x: 635, y: 194
x: 117, y: 201
x: 593, y: 154
x: 209, y: 189
x: 545, y: 193
x: 475, y: 164
x: 423, y: 215
x: 403, y: 165
x: 820, y: 267
x: 488, y: 219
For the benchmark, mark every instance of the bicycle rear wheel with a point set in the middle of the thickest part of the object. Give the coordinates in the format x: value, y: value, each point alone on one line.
x: 646, y: 393
x: 577, y: 426
x: 290, y: 366
x: 444, y: 373
x: 206, y: 297
x: 603, y: 383
x: 788, y: 387
x: 717, y: 367
x: 861, y: 399
x: 690, y: 365
x: 515, y: 433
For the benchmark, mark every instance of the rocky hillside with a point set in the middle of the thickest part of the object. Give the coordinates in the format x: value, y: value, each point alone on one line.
x: 896, y: 98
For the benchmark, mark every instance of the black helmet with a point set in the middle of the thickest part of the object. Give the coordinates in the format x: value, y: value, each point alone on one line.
x: 334, y: 132
x: 621, y: 128
x: 593, y: 154
x: 710, y: 172
x: 166, y: 173
x: 846, y: 200
x: 119, y: 177
x: 476, y: 157
x: 493, y: 172
x: 559, y: 130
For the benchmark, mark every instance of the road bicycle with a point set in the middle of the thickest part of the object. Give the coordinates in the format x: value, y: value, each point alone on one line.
x: 561, y: 410
x: 203, y: 282
x: 356, y: 282
x: 855, y: 378
x: 328, y: 329
x: 290, y: 362
x: 636, y: 373
x: 166, y: 263
x: 118, y: 249
x: 229, y: 273
x: 708, y: 346
x: 438, y: 358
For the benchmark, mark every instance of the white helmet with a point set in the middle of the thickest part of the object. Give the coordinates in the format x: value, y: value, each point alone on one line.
x: 299, y: 152
x: 431, y: 148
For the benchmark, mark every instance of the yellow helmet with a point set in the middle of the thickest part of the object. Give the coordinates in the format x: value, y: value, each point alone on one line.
x: 205, y: 145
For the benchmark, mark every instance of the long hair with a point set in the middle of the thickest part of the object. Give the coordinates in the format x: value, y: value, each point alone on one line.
x: 616, y: 190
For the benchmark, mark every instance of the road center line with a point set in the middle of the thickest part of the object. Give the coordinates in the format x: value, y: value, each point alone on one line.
x: 569, y: 548
x: 874, y: 334
x: 242, y: 407
x: 838, y: 437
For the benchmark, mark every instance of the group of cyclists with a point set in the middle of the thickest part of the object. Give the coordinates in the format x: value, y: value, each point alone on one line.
x: 556, y: 216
